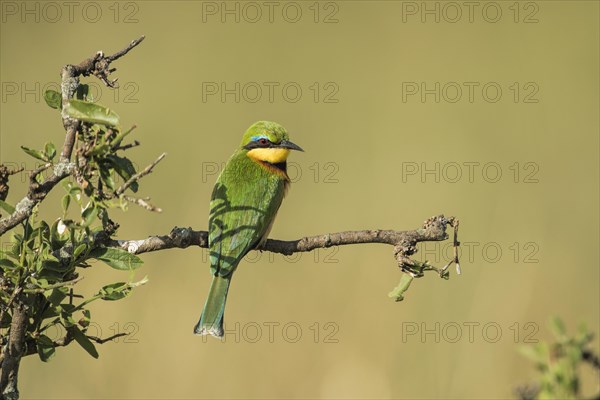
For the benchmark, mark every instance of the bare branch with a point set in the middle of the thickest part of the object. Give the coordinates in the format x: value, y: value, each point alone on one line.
x: 11, y: 357
x: 99, y: 64
x: 128, y: 146
x: 404, y: 242
x: 126, y: 50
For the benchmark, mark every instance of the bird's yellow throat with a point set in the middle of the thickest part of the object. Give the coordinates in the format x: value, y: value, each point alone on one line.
x: 270, y: 155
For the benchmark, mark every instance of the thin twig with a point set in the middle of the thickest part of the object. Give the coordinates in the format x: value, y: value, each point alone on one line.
x: 138, y: 176
x: 143, y: 203
x: 108, y: 339
x: 128, y: 146
x: 126, y: 50
x: 33, y: 177
x: 54, y: 286
x: 99, y: 64
x: 5, y: 173
x: 12, y: 171
x: 31, y: 347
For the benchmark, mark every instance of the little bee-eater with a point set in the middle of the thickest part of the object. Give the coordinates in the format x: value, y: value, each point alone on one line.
x: 243, y: 207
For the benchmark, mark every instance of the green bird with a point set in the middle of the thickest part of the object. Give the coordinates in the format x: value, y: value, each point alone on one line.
x: 243, y: 207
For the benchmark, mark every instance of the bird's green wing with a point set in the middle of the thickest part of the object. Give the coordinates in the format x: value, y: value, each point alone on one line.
x: 244, y: 203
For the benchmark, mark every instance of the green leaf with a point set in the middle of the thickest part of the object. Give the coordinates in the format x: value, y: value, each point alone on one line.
x: 57, y: 239
x: 90, y: 112
x: 106, y: 176
x: 51, y: 312
x: 117, y: 258
x: 5, y: 263
x: 68, y: 308
x: 66, y: 318
x: 89, y: 214
x: 50, y: 150
x: 45, y: 230
x: 530, y: 353
x: 124, y: 168
x: 85, y: 321
x: 119, y: 138
x: 41, y: 282
x: 79, y: 250
x: 100, y: 149
x: 45, y: 348
x: 583, y: 336
x: 537, y: 353
x: 75, y: 193
x: 115, y: 291
x: 57, y: 295
x: 7, y: 207
x: 35, y: 153
x: 557, y: 326
x: 11, y: 251
x: 53, y: 98
x: 84, y: 341
x: 398, y: 291
x: 52, y: 275
x: 52, y: 265
x: 66, y: 200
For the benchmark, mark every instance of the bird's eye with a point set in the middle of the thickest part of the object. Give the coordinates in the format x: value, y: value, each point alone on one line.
x: 263, y: 141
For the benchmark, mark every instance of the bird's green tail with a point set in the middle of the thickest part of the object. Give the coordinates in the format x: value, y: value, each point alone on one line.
x: 211, y: 319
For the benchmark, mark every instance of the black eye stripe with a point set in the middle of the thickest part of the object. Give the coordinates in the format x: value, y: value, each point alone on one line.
x: 262, y: 143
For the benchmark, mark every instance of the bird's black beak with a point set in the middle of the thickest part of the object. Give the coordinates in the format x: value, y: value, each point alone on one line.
x: 286, y: 144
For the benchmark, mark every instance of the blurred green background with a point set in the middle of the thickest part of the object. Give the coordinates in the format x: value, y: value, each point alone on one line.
x: 320, y: 325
